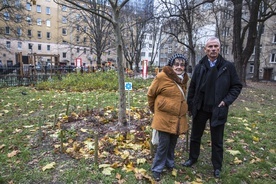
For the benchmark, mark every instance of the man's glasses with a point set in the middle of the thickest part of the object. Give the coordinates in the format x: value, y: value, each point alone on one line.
x: 177, y: 64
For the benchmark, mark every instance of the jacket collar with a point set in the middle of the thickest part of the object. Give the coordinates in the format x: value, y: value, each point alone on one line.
x: 172, y: 75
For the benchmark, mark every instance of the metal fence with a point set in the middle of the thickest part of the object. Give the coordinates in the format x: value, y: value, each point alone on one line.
x: 14, y: 76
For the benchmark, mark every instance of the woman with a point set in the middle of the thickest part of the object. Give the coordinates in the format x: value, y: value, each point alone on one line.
x: 167, y: 100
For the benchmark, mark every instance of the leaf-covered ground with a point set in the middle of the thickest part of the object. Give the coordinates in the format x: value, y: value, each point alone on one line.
x: 58, y: 145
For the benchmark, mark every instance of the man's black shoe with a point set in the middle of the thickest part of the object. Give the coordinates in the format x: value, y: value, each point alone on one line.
x: 217, y: 173
x: 189, y: 163
x: 156, y: 176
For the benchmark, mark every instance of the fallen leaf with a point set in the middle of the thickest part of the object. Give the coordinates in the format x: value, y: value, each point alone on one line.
x: 234, y: 152
x: 49, y: 166
x: 13, y: 153
x: 237, y: 161
x: 2, y: 146
x: 107, y: 170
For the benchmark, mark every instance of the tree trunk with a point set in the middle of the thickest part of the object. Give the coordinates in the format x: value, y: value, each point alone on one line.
x: 122, y: 95
x: 256, y: 75
x: 244, y: 39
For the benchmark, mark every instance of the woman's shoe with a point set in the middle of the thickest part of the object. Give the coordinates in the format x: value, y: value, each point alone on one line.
x: 156, y: 176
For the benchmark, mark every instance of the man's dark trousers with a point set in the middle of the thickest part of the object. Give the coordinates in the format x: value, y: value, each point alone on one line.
x: 199, y: 124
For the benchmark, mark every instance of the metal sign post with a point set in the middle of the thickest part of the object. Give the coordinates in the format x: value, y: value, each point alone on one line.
x: 128, y: 87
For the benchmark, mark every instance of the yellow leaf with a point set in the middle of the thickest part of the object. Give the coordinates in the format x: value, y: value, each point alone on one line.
x: 247, y: 109
x: 83, y: 130
x: 2, y: 146
x: 107, y: 170
x: 197, y: 181
x: 125, y: 154
x: 254, y: 160
x: 5, y: 111
x: 13, y: 153
x: 49, y: 166
x: 28, y: 126
x: 230, y: 140
x: 141, y: 161
x: 237, y: 161
x: 256, y: 139
x: 174, y: 172
x: 233, y: 152
x: 104, y: 165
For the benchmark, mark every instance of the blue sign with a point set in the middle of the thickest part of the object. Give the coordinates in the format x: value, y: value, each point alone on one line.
x: 128, y: 85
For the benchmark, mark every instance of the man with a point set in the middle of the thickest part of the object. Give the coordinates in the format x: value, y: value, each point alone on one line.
x: 214, y: 87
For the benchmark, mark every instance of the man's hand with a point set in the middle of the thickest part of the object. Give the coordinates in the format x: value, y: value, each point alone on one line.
x: 221, y: 104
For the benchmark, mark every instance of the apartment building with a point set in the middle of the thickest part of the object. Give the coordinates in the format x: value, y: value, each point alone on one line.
x: 48, y: 31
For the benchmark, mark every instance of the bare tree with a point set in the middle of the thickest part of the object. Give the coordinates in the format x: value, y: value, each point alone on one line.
x: 245, y: 32
x: 99, y: 32
x: 184, y: 20
x: 112, y: 14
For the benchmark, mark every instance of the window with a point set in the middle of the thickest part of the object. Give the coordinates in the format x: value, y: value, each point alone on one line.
x: 77, y: 38
x: 149, y: 54
x: 64, y: 54
x: 48, y: 35
x: 29, y: 20
x: 19, y: 31
x: 78, y: 17
x: 78, y: 50
x: 49, y: 47
x: 7, y: 30
x: 78, y: 27
x: 28, y: 6
x: 8, y: 44
x: 64, y: 20
x: 143, y: 54
x: 48, y: 10
x: 64, y: 31
x: 30, y: 46
x: 39, y: 47
x: 84, y: 40
x: 17, y: 3
x: 5, y: 2
x: 39, y: 34
x: 38, y: 21
x: 150, y: 45
x: 48, y: 23
x: 84, y: 50
x: 224, y: 49
x: 6, y: 16
x: 274, y: 39
x: 261, y: 46
x: 38, y: 8
x: 273, y: 58
x: 226, y: 31
x: 29, y: 33
x: 227, y: 14
x: 18, y: 18
x: 170, y: 49
x: 251, y: 68
x: 19, y: 45
x: 64, y: 8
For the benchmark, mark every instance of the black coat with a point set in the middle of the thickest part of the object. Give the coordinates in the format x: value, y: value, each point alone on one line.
x: 227, y: 89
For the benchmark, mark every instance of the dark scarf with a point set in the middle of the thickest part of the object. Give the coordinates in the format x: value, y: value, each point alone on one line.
x: 208, y: 86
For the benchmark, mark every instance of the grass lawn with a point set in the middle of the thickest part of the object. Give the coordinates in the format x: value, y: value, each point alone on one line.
x: 47, y: 135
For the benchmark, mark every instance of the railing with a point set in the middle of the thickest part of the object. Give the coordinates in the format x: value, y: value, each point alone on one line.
x: 14, y: 76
